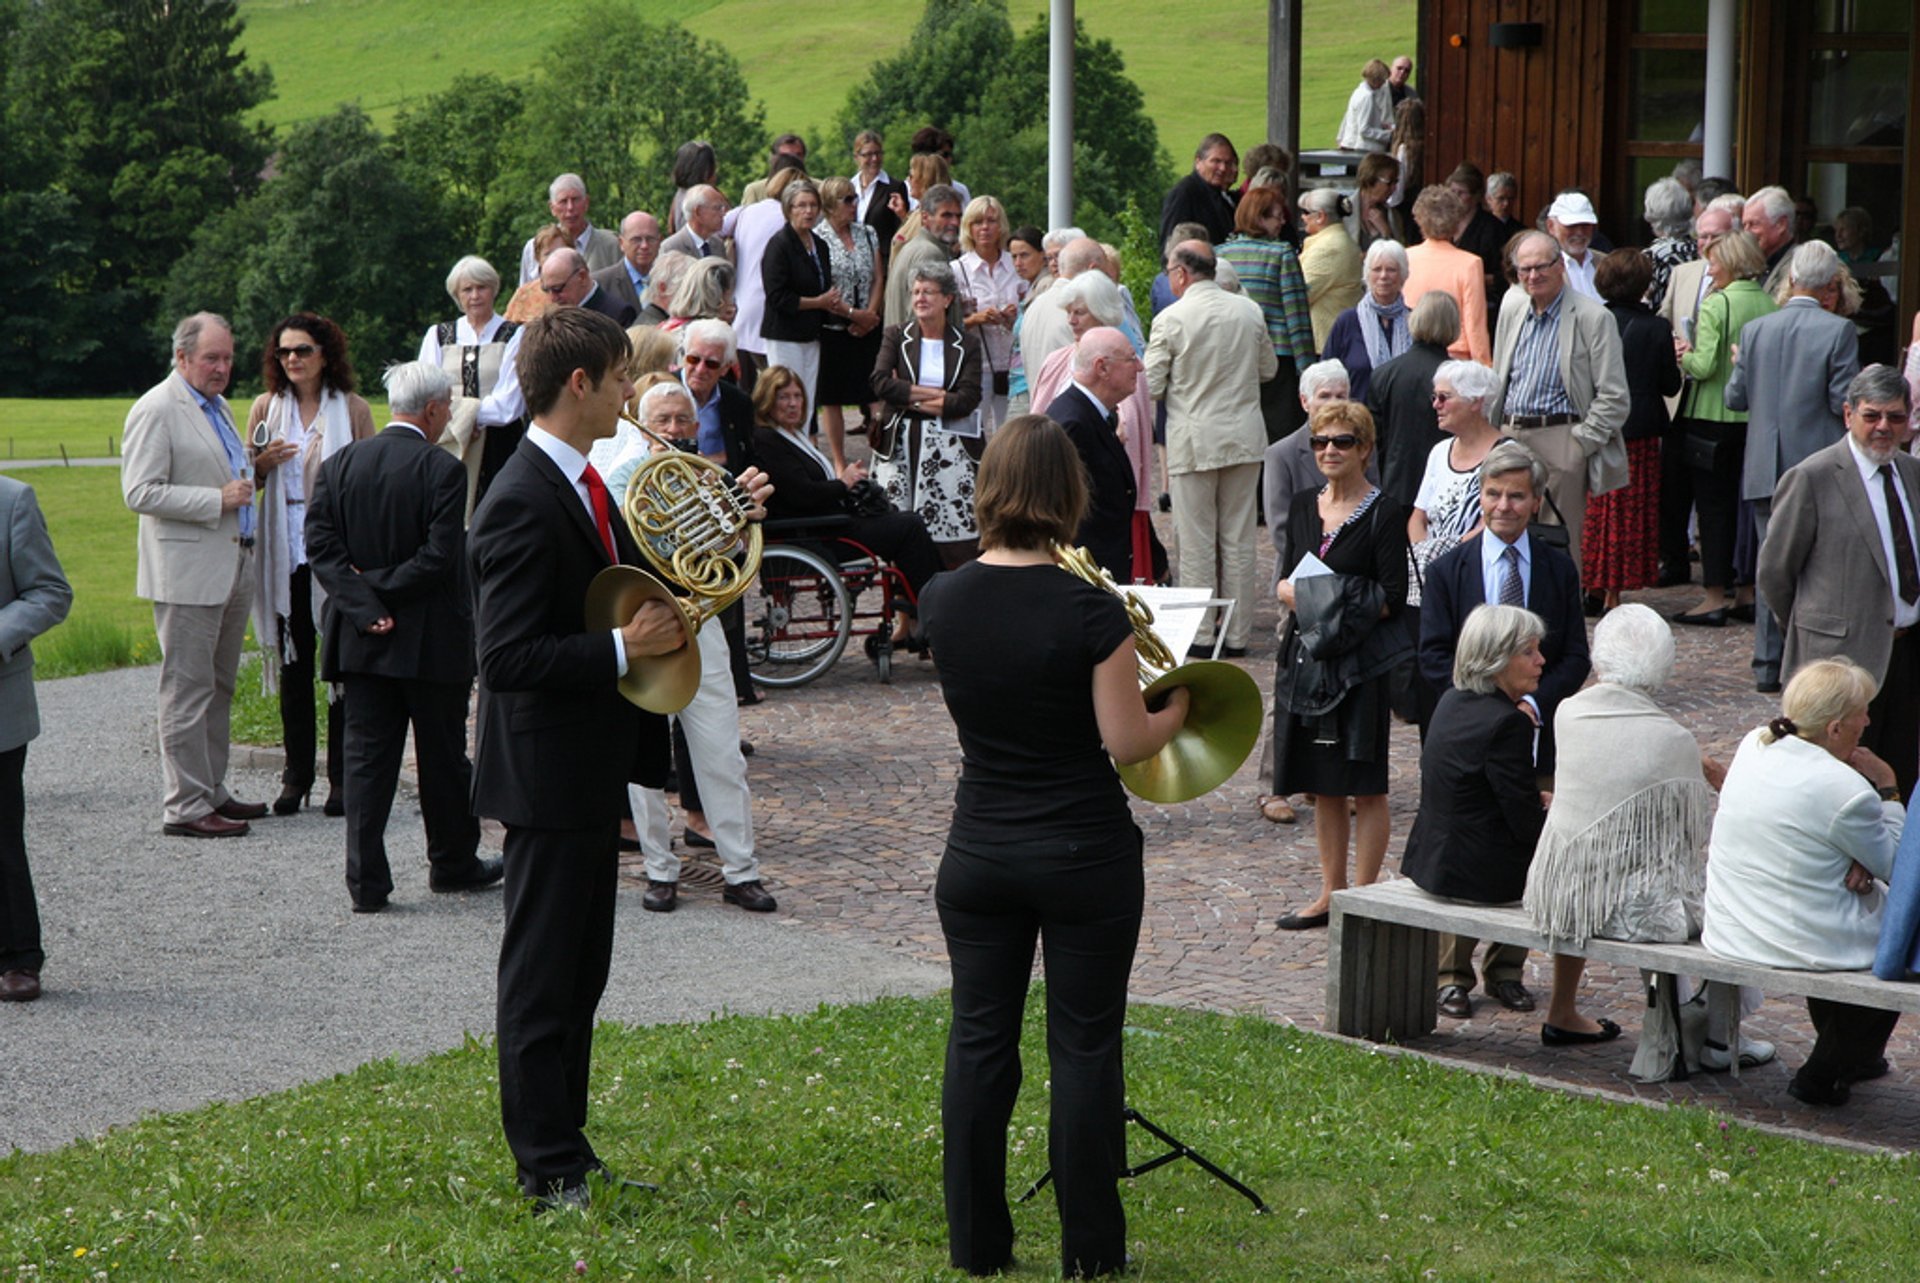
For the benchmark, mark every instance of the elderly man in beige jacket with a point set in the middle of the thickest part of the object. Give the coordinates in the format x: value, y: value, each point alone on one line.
x: 1207, y: 358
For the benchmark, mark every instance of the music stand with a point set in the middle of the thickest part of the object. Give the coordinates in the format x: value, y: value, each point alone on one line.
x: 1180, y: 1149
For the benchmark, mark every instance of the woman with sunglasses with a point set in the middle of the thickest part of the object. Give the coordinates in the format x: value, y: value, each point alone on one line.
x: 308, y: 413
x: 1332, y: 740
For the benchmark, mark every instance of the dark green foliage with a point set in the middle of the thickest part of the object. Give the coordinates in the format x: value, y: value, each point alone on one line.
x: 939, y: 77
x: 450, y: 144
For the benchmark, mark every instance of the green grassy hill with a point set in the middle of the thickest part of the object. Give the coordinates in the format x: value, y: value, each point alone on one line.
x: 1200, y: 63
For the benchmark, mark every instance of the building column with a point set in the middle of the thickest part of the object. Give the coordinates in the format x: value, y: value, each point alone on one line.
x: 1060, y: 114
x: 1716, y: 152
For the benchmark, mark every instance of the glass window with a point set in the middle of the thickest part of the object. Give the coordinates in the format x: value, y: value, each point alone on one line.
x: 1671, y: 16
x: 1857, y: 98
x: 1861, y: 16
x: 1666, y: 94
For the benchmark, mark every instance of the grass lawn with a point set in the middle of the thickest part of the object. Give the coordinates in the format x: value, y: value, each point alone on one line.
x: 809, y: 1148
x: 89, y: 427
x: 93, y: 535
x: 1202, y: 65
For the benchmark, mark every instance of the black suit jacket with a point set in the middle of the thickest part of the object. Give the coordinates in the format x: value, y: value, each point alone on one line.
x: 1454, y: 586
x: 1480, y: 814
x: 385, y: 537
x: 1194, y: 200
x: 1400, y: 395
x: 789, y: 275
x: 798, y: 488
x: 607, y: 305
x: 882, y: 219
x: 555, y: 743
x: 1107, y: 530
x: 1653, y: 374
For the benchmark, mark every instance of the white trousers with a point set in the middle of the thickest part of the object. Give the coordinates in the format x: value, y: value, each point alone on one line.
x: 712, y: 726
x: 804, y: 360
x: 1216, y: 529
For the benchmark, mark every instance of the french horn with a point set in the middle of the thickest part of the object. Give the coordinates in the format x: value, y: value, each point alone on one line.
x: 692, y: 524
x: 1223, y: 719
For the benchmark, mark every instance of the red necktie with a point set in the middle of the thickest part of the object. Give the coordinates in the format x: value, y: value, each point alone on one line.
x: 597, y: 496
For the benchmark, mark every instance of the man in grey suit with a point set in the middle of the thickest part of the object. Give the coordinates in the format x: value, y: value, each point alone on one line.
x: 1559, y: 383
x: 34, y: 596
x: 567, y: 201
x: 185, y: 472
x: 1839, y: 565
x: 1791, y: 369
x: 706, y: 213
x: 626, y: 280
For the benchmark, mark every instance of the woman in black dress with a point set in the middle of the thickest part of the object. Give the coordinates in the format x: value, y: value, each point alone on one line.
x: 1039, y: 674
x: 1334, y: 688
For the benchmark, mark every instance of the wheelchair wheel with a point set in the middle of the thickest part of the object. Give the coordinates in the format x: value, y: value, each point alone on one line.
x: 798, y: 617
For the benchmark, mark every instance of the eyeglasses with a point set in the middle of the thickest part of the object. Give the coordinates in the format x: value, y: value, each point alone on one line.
x: 1535, y: 269
x: 705, y: 362
x: 1345, y: 441
x: 561, y: 288
x: 1873, y: 418
x: 849, y: 199
x: 1441, y: 398
x: 301, y: 350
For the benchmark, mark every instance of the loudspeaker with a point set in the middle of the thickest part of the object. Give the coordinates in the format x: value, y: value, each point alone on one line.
x: 1515, y: 35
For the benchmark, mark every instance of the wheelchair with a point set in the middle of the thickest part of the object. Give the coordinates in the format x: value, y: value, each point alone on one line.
x: 818, y: 587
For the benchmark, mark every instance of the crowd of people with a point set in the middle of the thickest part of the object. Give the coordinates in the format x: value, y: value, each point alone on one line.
x: 1465, y: 435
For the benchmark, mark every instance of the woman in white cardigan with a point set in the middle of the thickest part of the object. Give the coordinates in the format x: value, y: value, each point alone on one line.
x: 1806, y: 832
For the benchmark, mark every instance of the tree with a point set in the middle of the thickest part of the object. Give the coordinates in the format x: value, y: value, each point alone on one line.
x: 135, y: 111
x: 616, y: 97
x: 451, y: 144
x: 940, y: 77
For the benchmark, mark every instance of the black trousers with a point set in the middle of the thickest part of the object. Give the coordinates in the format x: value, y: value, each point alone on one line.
x: 1848, y: 1041
x: 19, y: 910
x: 1676, y: 504
x: 379, y: 710
x: 1083, y: 902
x: 297, y: 729
x: 555, y: 949
x: 497, y: 445
x: 1716, y: 497
x: 1893, y: 726
x: 902, y: 538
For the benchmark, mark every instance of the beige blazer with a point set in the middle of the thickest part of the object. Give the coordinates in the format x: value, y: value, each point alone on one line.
x: 1682, y: 303
x: 1333, y: 268
x: 1591, y: 369
x: 1823, y: 570
x: 171, y: 474
x: 1208, y: 356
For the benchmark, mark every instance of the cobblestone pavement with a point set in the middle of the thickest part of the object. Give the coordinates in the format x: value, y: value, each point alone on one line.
x: 853, y: 782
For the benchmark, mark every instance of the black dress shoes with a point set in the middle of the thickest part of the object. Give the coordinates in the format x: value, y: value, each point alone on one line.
x: 1454, y: 1002
x: 370, y: 906
x: 1704, y: 619
x: 750, y: 896
x: 234, y: 810
x: 698, y: 841
x: 210, y: 825
x: 1808, y: 1092
x: 1741, y: 614
x: 19, y: 986
x: 1554, y: 1036
x: 1511, y: 994
x: 292, y: 796
x: 661, y: 897
x: 1303, y: 921
x: 485, y: 873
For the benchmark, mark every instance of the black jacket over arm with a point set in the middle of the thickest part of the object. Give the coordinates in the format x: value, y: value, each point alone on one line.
x: 789, y: 276
x: 1480, y: 812
x: 1107, y: 530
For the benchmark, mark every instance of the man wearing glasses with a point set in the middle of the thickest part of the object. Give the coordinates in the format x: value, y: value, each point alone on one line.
x: 626, y: 281
x: 565, y: 280
x: 1560, y: 385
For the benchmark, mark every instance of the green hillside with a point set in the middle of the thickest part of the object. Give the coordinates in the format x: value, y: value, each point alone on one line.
x: 1200, y: 63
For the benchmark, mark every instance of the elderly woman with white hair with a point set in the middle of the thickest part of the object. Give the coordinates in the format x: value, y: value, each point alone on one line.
x: 1374, y: 330
x: 1668, y: 209
x: 1481, y: 809
x: 477, y: 350
x: 1446, y: 510
x: 1808, y: 824
x: 1620, y: 855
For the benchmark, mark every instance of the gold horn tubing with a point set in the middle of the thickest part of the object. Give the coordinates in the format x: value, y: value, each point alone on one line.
x: 1223, y: 720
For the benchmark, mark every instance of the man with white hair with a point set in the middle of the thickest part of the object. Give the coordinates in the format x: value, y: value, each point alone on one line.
x: 705, y: 210
x: 1044, y: 329
x: 1105, y: 373
x: 723, y: 413
x: 668, y: 269
x: 1570, y: 221
x: 399, y: 633
x: 1768, y: 215
x: 1398, y: 76
x: 567, y: 201
x: 626, y: 281
x: 1790, y: 373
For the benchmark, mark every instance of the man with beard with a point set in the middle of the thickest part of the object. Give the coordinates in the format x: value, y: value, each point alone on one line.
x: 938, y: 241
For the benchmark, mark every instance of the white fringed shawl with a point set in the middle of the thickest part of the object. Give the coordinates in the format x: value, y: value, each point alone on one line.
x: 1621, y: 853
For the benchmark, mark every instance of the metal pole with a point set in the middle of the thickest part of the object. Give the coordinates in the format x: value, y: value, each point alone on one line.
x: 1716, y: 153
x: 1060, y: 115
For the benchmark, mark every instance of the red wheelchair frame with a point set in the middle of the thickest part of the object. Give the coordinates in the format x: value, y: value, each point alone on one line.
x: 811, y: 596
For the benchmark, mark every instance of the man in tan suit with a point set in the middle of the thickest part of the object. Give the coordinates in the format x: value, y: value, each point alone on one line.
x: 1208, y: 356
x: 186, y: 473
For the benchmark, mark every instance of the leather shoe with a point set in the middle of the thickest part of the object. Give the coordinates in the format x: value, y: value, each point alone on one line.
x: 1767, y: 685
x: 235, y: 810
x: 699, y: 841
x: 485, y: 873
x: 1876, y: 1068
x: 24, y: 986
x: 333, y: 808
x: 1454, y: 1002
x: 370, y: 906
x: 1555, y: 1036
x: 1511, y: 994
x: 1741, y: 614
x: 750, y: 896
x: 1303, y: 921
x: 1833, y: 1092
x: 210, y: 825
x: 1705, y: 619
x: 290, y: 799
x: 562, y: 1198
x: 661, y: 897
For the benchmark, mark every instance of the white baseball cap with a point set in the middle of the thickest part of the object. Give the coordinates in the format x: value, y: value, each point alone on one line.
x: 1569, y: 208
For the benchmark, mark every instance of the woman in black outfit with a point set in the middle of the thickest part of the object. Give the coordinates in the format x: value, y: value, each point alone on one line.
x: 1039, y: 673
x: 1334, y: 689
x: 798, y: 275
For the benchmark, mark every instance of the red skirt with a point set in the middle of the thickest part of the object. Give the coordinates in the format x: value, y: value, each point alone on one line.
x: 1620, y: 547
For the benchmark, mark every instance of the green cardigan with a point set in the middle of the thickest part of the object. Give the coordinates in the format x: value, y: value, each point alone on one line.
x: 1722, y: 316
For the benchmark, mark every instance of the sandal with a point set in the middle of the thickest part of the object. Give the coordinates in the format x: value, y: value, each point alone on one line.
x: 1277, y: 810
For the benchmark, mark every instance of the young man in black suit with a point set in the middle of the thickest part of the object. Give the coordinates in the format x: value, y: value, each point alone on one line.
x: 386, y: 538
x: 556, y: 745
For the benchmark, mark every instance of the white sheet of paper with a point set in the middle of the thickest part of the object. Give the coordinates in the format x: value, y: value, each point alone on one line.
x: 1311, y: 567
x: 1177, y: 613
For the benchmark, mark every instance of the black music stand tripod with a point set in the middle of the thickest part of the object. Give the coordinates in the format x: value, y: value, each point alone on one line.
x: 1179, y: 1149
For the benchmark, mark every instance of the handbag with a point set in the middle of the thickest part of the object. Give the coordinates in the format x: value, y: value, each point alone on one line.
x: 868, y: 498
x: 1551, y: 535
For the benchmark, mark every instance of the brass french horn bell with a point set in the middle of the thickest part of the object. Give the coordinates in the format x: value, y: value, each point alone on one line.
x: 689, y: 518
x: 1223, y: 718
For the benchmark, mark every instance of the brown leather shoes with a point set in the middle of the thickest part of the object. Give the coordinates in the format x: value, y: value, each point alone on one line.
x: 750, y: 896
x: 19, y: 986
x: 231, y: 809
x: 661, y: 897
x: 1511, y: 994
x: 210, y: 825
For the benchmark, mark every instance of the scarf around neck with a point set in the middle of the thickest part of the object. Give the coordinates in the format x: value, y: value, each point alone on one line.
x: 1383, y: 329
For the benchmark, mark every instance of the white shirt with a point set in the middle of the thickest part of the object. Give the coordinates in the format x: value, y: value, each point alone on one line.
x: 812, y: 451
x: 505, y: 403
x: 1580, y: 275
x: 866, y: 191
x: 573, y: 466
x: 1904, y: 616
x: 933, y: 363
x: 1368, y: 124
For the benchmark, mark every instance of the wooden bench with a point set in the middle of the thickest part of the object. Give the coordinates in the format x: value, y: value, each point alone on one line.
x: 1383, y: 961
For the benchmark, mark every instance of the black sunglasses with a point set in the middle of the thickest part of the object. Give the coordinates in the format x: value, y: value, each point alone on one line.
x: 1345, y: 441
x: 301, y: 350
